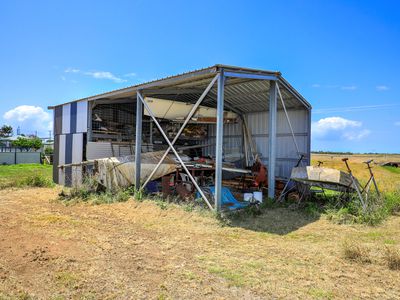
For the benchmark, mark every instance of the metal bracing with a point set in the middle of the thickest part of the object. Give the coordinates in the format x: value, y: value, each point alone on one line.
x: 138, y: 143
x: 188, y: 117
x: 173, y: 149
x: 273, y: 107
x: 272, y: 138
x: 249, y: 141
x: 219, y: 141
x: 288, y: 120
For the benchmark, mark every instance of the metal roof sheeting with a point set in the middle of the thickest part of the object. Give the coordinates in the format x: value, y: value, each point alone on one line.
x: 243, y: 95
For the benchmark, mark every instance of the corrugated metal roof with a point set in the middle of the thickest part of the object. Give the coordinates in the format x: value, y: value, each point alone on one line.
x: 245, y: 95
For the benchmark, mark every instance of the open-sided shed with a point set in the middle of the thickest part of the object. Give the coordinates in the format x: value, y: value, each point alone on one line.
x: 274, y: 121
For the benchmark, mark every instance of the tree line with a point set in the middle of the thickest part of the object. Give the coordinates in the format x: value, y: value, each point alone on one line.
x: 22, y: 142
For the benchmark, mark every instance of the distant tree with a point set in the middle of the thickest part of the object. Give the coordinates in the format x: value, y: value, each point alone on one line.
x: 48, y: 151
x: 28, y: 143
x: 6, y: 131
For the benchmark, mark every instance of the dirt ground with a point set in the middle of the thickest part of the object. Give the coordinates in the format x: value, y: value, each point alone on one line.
x: 140, y: 250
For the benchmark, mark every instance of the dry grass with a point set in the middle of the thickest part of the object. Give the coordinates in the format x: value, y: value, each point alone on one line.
x: 356, y: 252
x: 150, y: 249
x: 392, y: 257
x: 387, y: 180
x: 141, y: 250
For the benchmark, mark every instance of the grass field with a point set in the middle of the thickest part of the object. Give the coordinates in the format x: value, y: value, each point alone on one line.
x: 388, y: 178
x: 146, y: 249
x: 16, y: 175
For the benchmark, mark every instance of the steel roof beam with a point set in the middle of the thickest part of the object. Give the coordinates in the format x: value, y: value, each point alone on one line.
x: 251, y: 76
x: 167, y: 91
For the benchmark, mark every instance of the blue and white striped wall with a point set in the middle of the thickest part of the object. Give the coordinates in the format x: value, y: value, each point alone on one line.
x: 70, y: 128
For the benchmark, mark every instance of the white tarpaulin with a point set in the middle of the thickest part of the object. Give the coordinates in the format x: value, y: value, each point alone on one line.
x: 177, y: 111
x: 119, y: 172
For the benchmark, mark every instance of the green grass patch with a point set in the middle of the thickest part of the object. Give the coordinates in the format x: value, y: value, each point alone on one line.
x: 35, y: 175
x: 389, y: 242
x: 189, y: 275
x: 233, y: 278
x: 392, y: 169
x: 67, y: 279
x: 320, y: 293
x: 350, y: 210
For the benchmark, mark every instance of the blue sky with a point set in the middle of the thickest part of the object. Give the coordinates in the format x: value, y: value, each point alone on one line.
x: 343, y: 56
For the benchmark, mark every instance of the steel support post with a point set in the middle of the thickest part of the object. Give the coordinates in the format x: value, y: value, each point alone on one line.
x: 219, y: 141
x: 138, y: 143
x: 272, y: 138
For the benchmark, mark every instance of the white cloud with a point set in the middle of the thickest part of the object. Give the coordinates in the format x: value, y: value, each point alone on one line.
x: 100, y: 75
x: 105, y: 75
x: 130, y: 75
x: 336, y: 128
x: 353, y: 135
x: 335, y: 86
x: 355, y: 108
x: 349, y: 87
x: 72, y: 70
x: 30, y: 119
x: 333, y: 123
x: 382, y: 88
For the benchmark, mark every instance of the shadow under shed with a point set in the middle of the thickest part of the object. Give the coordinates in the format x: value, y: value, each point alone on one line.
x: 279, y: 220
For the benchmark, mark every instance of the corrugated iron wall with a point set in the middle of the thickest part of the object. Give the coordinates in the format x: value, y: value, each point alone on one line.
x: 70, y: 128
x: 258, y: 125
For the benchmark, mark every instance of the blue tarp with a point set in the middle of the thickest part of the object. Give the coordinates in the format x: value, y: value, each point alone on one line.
x: 228, y: 200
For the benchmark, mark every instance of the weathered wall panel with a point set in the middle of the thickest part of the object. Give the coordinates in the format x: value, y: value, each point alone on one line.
x: 70, y: 123
x: 57, y: 120
x: 77, y: 157
x: 61, y: 159
x: 82, y: 116
x: 56, y: 157
x: 66, y: 118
